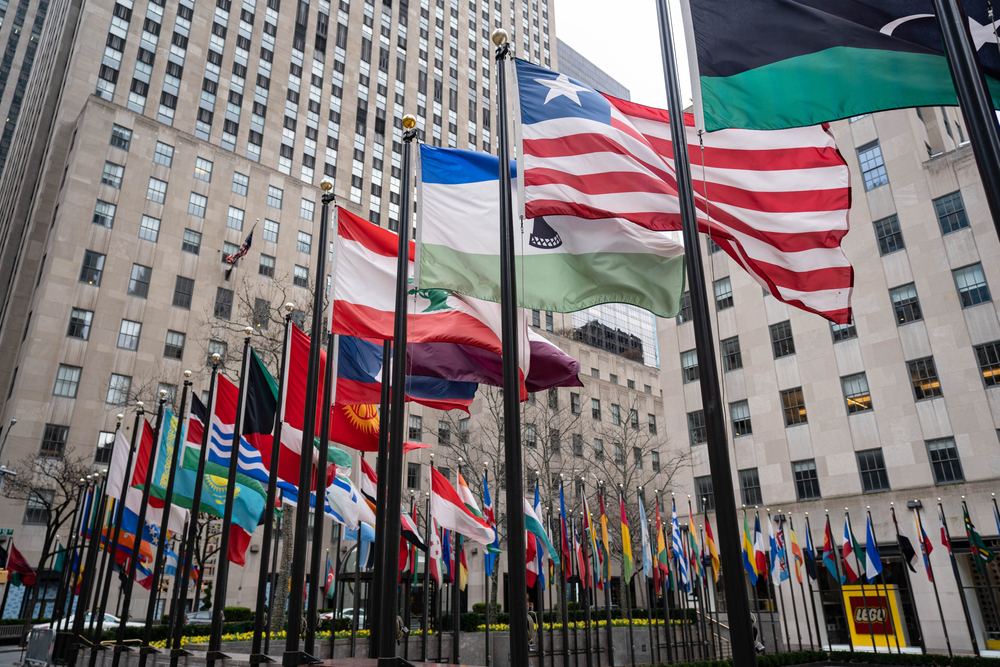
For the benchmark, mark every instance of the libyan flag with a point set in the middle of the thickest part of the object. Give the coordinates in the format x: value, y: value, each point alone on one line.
x: 774, y: 64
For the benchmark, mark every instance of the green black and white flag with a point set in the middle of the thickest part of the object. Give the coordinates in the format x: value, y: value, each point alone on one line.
x: 773, y: 64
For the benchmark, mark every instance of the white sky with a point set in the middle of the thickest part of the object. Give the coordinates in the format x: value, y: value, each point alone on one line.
x: 621, y: 37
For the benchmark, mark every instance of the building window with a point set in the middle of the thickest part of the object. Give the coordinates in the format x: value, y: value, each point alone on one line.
x: 923, y: 375
x: 112, y: 175
x: 183, y: 289
x: 555, y: 440
x: 171, y: 392
x: 696, y: 428
x: 203, y: 170
x: 223, y: 303
x: 750, y: 487
x: 740, y: 414
x: 307, y: 210
x: 67, y: 381
x: 944, y: 461
x: 118, y: 389
x: 261, y: 313
x: 191, y: 242
x: 36, y: 510
x: 871, y: 465
x: 723, y: 294
x: 138, y: 284
x: 616, y: 415
x: 271, y: 230
x: 105, y: 447
x: 93, y: 268
x: 655, y: 461
x: 79, y: 323
x: 794, y: 406
x: 782, y: 342
x: 652, y: 423
x: 806, y: 480
x: 197, y: 204
x: 301, y: 276
x: 890, y: 239
x: 553, y: 399
x: 619, y: 456
x: 149, y: 229
x: 872, y: 165
x: 595, y: 408
x: 266, y: 266
x: 630, y: 384
x: 971, y: 284
x: 574, y: 403
x: 637, y: 456
x: 536, y: 318
x: 647, y: 389
x: 988, y: 356
x: 445, y: 472
x: 549, y: 324
x: 416, y: 428
x: 732, y: 356
x: 856, y: 393
x: 713, y: 247
x: 705, y: 492
x: 274, y: 196
x: 843, y: 332
x: 413, y: 476
x: 577, y: 445
x: 633, y: 419
x: 104, y: 214
x: 684, y: 314
x: 595, y: 373
x: 530, y: 436
x: 906, y: 304
x: 128, y: 335
x: 598, y: 449
x: 951, y: 212
x: 444, y: 432
x: 156, y: 191
x: 54, y: 441
x: 305, y: 242
x: 164, y: 154
x: 121, y: 137
x: 173, y: 348
x: 689, y: 366
x: 216, y: 347
x: 234, y: 220
x: 241, y: 183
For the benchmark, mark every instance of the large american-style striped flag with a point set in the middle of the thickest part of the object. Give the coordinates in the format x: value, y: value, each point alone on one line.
x: 775, y: 201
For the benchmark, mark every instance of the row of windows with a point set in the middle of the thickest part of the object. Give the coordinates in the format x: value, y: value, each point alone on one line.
x: 942, y: 453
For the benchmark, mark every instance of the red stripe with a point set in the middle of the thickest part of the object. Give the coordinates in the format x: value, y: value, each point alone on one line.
x: 584, y: 144
x: 778, y: 159
x: 374, y: 238
x: 351, y: 319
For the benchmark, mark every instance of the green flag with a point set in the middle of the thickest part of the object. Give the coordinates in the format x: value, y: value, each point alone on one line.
x: 983, y: 555
x: 60, y: 558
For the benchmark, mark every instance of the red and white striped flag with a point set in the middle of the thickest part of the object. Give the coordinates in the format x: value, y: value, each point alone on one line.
x: 775, y: 201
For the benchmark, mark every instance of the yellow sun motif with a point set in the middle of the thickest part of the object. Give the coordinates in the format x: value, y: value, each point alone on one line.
x: 362, y: 417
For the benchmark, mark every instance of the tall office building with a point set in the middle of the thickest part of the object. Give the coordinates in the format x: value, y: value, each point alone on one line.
x: 21, y: 25
x: 901, y: 404
x: 154, y: 137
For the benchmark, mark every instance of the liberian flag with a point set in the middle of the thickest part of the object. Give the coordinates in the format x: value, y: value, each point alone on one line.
x: 563, y: 264
x: 849, y: 572
x: 451, y: 512
x: 776, y: 202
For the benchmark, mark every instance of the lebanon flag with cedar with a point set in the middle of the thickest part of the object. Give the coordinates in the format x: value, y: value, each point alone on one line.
x: 451, y: 513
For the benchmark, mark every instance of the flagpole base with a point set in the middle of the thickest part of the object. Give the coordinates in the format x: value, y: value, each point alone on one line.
x: 215, y: 655
x: 122, y: 648
x: 296, y: 658
x: 394, y: 662
x: 179, y: 653
x: 260, y: 659
x: 147, y: 650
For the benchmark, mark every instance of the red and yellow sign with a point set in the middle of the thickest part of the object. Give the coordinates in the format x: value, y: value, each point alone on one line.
x: 872, y: 613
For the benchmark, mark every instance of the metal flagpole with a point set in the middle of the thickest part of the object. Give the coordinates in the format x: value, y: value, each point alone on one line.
x: 408, y: 583
x: 161, y: 536
x: 387, y: 565
x: 885, y: 589
x: 780, y: 518
x: 176, y: 593
x: 767, y: 587
x: 587, y: 583
x: 812, y: 597
x: 802, y: 589
x: 982, y: 571
x: 864, y: 595
x: 973, y: 98
x: 188, y: 554
x: 381, y: 475
x: 120, y: 646
x: 486, y: 580
x: 737, y: 603
x: 86, y: 583
x: 319, y: 507
x: 425, y: 622
x: 222, y: 557
x: 916, y: 504
x: 552, y: 584
x: 293, y: 657
x: 625, y: 592
x: 781, y: 596
x: 840, y: 585
x: 906, y: 576
x: 112, y: 546
x: 576, y: 612
x: 958, y: 582
x: 264, y: 574
x: 706, y: 606
x: 456, y: 591
x: 564, y: 603
x: 516, y: 541
x: 355, y: 613
x: 74, y: 546
x: 607, y: 583
x: 274, y: 583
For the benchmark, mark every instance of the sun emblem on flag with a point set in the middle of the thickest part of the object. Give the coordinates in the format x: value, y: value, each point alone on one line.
x: 362, y: 417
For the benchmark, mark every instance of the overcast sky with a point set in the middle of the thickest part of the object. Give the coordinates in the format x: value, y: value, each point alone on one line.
x: 621, y: 37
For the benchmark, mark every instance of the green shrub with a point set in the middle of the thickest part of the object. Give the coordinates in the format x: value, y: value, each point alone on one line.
x: 480, y: 608
x: 927, y: 659
x: 237, y: 614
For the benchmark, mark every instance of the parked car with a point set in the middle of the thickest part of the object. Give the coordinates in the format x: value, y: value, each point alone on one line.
x: 348, y: 613
x: 110, y: 623
x: 198, y: 618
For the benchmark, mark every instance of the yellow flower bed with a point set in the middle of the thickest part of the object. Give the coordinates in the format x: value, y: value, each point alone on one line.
x: 580, y: 625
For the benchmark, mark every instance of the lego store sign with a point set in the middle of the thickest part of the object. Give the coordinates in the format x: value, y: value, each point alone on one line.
x: 874, y: 613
